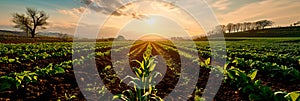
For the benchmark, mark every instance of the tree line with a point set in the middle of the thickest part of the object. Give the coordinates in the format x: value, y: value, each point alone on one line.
x: 246, y: 26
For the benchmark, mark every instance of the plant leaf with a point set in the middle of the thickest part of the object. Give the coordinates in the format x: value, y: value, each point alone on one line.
x: 252, y: 74
x: 207, y: 61
x: 294, y: 96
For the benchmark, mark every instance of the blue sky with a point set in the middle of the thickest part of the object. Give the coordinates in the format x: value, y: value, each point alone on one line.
x: 46, y: 4
x: 51, y: 6
x: 65, y: 14
x: 8, y: 7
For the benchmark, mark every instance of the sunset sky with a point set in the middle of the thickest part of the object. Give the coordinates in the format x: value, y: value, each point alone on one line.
x: 142, y: 18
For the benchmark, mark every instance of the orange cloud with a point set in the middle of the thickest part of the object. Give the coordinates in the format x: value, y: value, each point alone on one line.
x: 282, y: 12
x: 221, y: 4
x: 75, y: 12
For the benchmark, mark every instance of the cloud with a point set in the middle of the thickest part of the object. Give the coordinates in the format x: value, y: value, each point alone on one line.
x: 105, y: 6
x: 117, y: 7
x: 280, y: 11
x: 62, y: 26
x: 221, y: 4
x: 114, y: 7
x: 166, y: 6
x: 68, y: 27
x: 75, y: 12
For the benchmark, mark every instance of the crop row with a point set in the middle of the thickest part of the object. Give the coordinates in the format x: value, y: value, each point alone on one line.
x: 244, y: 81
x: 22, y: 53
x: 247, y: 85
x: 16, y: 80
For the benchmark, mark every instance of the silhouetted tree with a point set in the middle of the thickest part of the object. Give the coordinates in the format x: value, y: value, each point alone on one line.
x: 258, y: 25
x: 30, y: 21
x: 229, y: 27
x: 238, y: 27
x: 253, y: 26
x: 243, y: 27
x: 265, y: 23
x: 296, y: 23
x: 248, y: 25
x: 221, y: 28
x: 234, y: 27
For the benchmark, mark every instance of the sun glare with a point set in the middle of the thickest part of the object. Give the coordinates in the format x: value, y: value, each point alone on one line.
x: 152, y: 37
x: 150, y: 21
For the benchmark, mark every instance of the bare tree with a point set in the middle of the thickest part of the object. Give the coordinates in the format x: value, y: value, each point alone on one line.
x: 31, y: 21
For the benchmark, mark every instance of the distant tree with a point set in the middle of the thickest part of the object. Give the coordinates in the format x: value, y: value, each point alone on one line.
x: 63, y: 36
x: 238, y: 27
x: 229, y: 27
x: 253, y: 25
x: 30, y: 21
x: 221, y: 28
x: 244, y: 26
x: 265, y: 23
x: 177, y: 38
x: 120, y: 38
x: 234, y: 27
x: 258, y: 25
x: 248, y: 25
x: 296, y: 23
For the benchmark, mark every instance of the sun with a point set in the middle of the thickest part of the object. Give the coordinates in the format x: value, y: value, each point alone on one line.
x: 150, y: 21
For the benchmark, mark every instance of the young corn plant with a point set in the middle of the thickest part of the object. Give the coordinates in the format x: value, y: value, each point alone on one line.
x: 284, y: 96
x: 68, y: 97
x: 144, y: 88
x: 197, y: 95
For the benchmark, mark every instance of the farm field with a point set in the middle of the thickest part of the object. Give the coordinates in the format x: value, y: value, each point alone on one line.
x: 255, y: 69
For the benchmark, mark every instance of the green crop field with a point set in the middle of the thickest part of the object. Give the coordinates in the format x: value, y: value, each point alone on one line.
x: 255, y: 69
x: 149, y: 50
